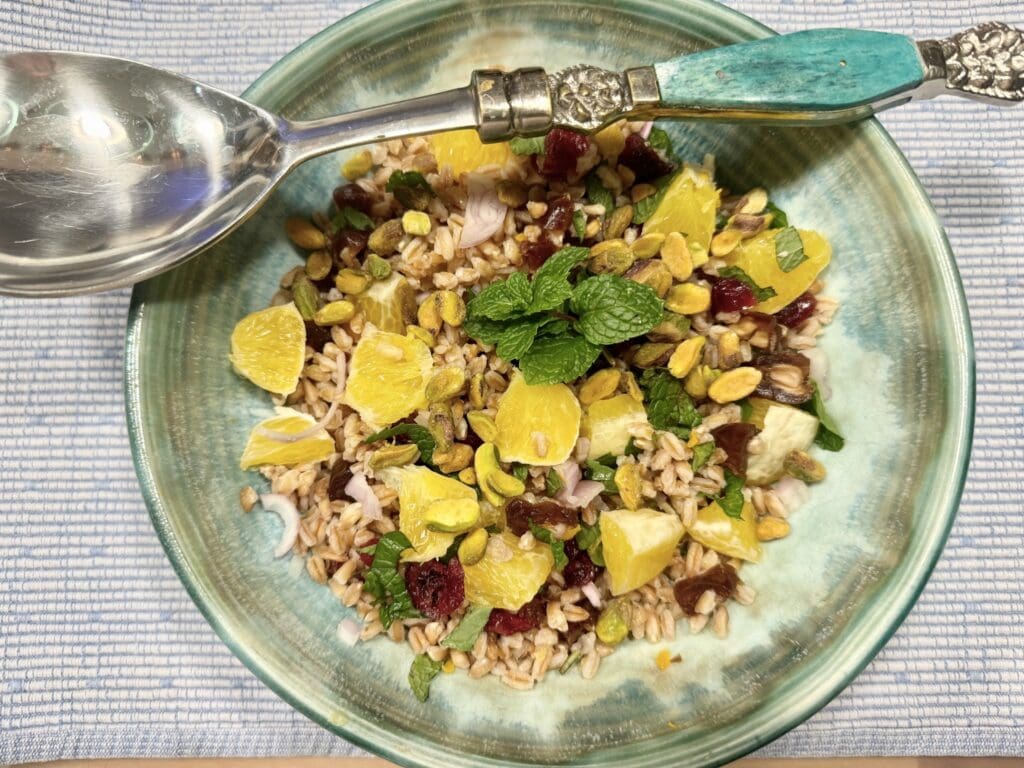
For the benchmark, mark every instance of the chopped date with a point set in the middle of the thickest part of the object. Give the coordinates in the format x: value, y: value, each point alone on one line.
x: 353, y: 196
x: 519, y: 513
x: 735, y: 439
x: 502, y: 622
x: 562, y: 150
x: 535, y: 254
x: 317, y: 335
x: 340, y: 475
x: 643, y: 160
x: 559, y: 215
x: 776, y: 384
x: 722, y: 579
x: 436, y: 589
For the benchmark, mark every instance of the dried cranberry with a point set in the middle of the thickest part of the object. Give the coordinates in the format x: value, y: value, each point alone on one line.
x: 351, y: 239
x: 353, y: 196
x: 734, y: 439
x: 796, y: 312
x: 559, y: 214
x: 317, y: 335
x: 722, y: 579
x: 340, y: 475
x: 436, y: 589
x: 535, y: 254
x: 580, y: 569
x: 562, y: 149
x: 502, y: 622
x: 367, y: 557
x: 731, y: 295
x: 519, y: 513
x: 643, y: 160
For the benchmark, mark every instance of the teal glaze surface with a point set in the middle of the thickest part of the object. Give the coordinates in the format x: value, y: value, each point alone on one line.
x: 829, y: 595
x: 815, y: 70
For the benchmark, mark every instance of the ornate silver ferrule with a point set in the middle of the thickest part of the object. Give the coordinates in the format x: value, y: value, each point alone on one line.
x: 529, y: 102
x: 985, y: 62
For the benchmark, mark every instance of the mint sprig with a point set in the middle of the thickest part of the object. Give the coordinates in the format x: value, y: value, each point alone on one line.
x: 557, y: 545
x: 384, y: 581
x: 422, y: 672
x: 737, y: 273
x: 669, y: 407
x: 731, y: 498
x: 530, y: 321
x: 789, y: 249
x: 521, y: 146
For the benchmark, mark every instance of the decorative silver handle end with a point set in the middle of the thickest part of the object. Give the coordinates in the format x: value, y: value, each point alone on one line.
x: 529, y: 102
x: 985, y: 62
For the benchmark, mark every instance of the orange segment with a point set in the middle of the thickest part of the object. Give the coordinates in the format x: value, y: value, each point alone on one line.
x: 728, y: 535
x: 269, y: 347
x: 463, y: 151
x: 537, y: 424
x: 261, y: 449
x: 689, y: 206
x: 756, y: 257
x: 388, y: 376
x: 637, y: 545
x: 507, y: 577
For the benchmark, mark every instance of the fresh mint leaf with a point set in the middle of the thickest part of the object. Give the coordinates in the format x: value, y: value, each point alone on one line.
x: 384, y: 582
x: 789, y: 249
x: 598, y: 195
x: 419, y: 435
x: 779, y: 217
x: 731, y: 498
x: 587, y: 536
x: 557, y: 545
x: 595, y: 470
x: 554, y: 326
x: 736, y: 273
x: 350, y: 218
x: 660, y: 140
x: 422, y: 672
x: 612, y: 309
x: 559, y: 359
x: 828, y: 436
x: 409, y: 180
x: 669, y: 408
x: 553, y: 483
x: 483, y: 329
x: 531, y: 146
x: 746, y: 409
x: 520, y: 471
x: 464, y: 636
x: 551, y: 282
x: 503, y: 299
x: 579, y: 224
x: 631, y: 449
x: 518, y: 336
x: 701, y: 453
x: 643, y: 209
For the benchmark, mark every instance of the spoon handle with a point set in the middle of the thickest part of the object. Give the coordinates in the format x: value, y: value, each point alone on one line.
x: 837, y: 75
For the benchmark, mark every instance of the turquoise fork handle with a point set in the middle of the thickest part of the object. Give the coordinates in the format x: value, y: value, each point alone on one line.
x: 837, y: 75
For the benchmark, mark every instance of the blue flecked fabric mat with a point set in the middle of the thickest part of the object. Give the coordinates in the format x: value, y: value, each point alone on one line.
x: 102, y: 654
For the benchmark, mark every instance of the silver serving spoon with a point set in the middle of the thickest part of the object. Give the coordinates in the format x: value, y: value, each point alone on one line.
x: 113, y: 171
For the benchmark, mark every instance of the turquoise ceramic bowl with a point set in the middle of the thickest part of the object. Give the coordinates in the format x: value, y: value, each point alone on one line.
x: 829, y: 595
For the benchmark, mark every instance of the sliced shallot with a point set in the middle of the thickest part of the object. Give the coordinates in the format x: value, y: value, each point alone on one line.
x: 485, y: 213
x: 360, y: 490
x: 592, y: 594
x: 349, y: 631
x: 282, y: 506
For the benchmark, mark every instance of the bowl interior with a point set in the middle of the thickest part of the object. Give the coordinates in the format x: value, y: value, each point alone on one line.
x: 828, y: 596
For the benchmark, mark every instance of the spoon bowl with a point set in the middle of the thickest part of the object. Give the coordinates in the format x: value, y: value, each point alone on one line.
x: 115, y: 171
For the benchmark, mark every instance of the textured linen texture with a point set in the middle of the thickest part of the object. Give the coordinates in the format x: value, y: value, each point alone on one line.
x: 102, y: 653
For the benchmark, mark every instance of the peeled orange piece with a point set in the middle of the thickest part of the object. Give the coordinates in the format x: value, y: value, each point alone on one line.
x: 388, y: 376
x: 756, y: 257
x: 734, y: 537
x: 537, y: 424
x: 463, y: 151
x: 689, y: 206
x: 507, y: 577
x: 268, y: 348
x: 263, y: 449
x: 389, y: 304
x: 418, y: 489
x: 607, y: 424
x: 638, y: 545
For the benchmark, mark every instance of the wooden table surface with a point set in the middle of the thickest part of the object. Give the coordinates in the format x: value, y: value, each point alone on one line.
x: 327, y: 762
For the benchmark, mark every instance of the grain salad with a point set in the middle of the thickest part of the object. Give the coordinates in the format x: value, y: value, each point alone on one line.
x: 536, y: 399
